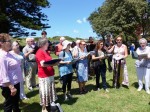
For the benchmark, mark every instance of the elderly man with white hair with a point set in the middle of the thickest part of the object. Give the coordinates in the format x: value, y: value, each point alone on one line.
x: 143, y: 64
x: 28, y: 52
x: 59, y: 46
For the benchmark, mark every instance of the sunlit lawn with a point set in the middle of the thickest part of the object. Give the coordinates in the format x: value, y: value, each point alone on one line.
x: 117, y: 100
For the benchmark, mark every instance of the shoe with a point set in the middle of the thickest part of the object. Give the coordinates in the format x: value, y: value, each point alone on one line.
x: 98, y: 89
x: 54, y: 108
x: 148, y: 92
x: 59, y: 107
x: 139, y: 89
x: 85, y: 91
x: 65, y: 97
x: 25, y: 98
x: 30, y: 88
x: 106, y: 90
x: 125, y: 83
x: 69, y: 95
x: 81, y: 92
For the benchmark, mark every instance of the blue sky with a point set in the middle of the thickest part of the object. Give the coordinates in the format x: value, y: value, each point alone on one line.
x: 68, y: 17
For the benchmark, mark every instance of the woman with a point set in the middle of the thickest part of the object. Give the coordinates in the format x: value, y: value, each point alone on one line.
x: 99, y: 65
x: 65, y: 69
x: 82, y: 67
x: 45, y: 76
x: 142, y: 65
x: 119, y: 60
x: 10, y: 75
x: 19, y: 56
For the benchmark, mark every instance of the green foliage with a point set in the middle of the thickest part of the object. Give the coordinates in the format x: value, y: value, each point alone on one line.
x: 118, y: 16
x: 16, y: 15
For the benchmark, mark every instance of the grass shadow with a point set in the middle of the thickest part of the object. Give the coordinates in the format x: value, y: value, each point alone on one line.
x: 34, y: 107
x: 1, y: 106
x: 32, y: 93
x: 68, y: 102
x: 135, y: 84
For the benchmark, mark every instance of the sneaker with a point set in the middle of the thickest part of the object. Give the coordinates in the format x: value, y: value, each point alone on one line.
x: 148, y: 92
x: 69, y: 95
x: 65, y: 97
x: 85, y: 91
x: 81, y: 92
x: 59, y: 107
x: 24, y: 98
x: 30, y: 88
x: 54, y: 108
x: 125, y: 83
x: 98, y: 89
x: 106, y: 90
x: 139, y: 89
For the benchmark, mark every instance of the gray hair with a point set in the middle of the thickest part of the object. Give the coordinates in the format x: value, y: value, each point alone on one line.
x: 42, y: 42
x: 143, y: 40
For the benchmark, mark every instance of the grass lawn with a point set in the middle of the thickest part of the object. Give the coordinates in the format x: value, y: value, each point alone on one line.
x: 117, y: 100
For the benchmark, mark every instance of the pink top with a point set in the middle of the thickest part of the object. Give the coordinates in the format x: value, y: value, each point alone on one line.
x: 119, y: 51
x: 10, y: 70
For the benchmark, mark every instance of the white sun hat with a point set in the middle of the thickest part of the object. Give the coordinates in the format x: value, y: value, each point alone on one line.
x: 65, y: 44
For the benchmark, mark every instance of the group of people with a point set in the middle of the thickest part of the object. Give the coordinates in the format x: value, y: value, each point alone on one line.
x: 17, y: 67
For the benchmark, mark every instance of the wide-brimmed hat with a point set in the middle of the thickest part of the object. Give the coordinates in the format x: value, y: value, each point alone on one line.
x: 65, y: 44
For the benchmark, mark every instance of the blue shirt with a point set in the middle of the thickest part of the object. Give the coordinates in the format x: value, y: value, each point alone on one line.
x: 65, y: 69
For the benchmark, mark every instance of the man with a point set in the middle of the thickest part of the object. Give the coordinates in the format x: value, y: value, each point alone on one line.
x: 59, y: 46
x: 90, y: 47
x: 109, y: 43
x: 31, y: 69
x: 44, y: 35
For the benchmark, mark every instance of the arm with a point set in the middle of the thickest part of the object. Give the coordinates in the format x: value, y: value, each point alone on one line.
x: 110, y: 50
x: 61, y: 57
x: 126, y: 52
x: 5, y: 78
x: 26, y: 53
x: 95, y: 58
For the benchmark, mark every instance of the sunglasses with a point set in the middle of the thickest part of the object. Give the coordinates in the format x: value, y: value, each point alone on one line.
x: 8, y: 41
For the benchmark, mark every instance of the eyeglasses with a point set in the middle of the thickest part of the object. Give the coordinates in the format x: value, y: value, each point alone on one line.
x: 8, y: 41
x: 119, y: 39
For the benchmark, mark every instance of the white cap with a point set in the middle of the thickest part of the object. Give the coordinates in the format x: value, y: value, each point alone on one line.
x: 78, y: 41
x: 62, y: 39
x: 65, y: 44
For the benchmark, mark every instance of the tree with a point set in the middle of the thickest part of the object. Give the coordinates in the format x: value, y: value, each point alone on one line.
x: 118, y: 17
x: 18, y: 15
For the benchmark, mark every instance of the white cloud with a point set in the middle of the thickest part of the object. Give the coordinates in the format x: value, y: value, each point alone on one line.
x: 79, y: 21
x: 84, y: 20
x: 75, y: 31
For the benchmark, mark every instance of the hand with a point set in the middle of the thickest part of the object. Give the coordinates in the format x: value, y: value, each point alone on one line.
x: 101, y: 57
x: 106, y: 48
x: 68, y: 62
x: 82, y: 57
x: 31, y: 51
x: 13, y: 91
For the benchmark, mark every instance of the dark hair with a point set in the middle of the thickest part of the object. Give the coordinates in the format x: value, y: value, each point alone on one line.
x: 73, y: 44
x: 98, y: 44
x: 90, y: 38
x: 44, y: 33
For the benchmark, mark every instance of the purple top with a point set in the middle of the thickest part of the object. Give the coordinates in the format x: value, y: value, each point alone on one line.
x: 10, y: 70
